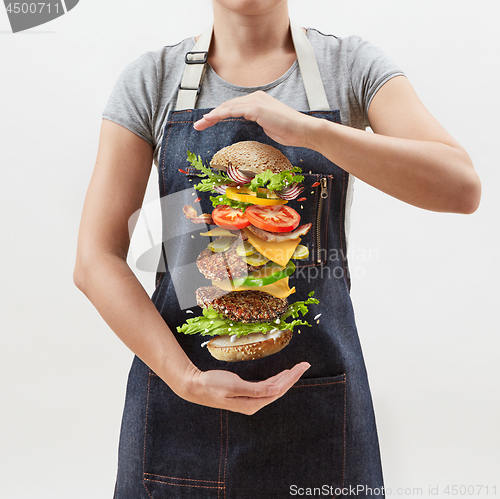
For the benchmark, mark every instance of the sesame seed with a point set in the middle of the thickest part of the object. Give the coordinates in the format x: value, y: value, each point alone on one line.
x: 189, y: 311
x: 317, y: 317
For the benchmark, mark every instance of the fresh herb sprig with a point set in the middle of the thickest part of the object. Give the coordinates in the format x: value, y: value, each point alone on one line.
x: 210, y: 178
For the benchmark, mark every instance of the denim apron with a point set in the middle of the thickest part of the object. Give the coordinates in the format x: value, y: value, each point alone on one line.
x: 320, y: 437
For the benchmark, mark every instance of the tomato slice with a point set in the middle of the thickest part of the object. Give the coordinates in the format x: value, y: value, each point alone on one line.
x: 229, y: 218
x: 273, y: 218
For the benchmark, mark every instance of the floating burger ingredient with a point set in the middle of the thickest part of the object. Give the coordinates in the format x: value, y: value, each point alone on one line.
x: 249, y: 259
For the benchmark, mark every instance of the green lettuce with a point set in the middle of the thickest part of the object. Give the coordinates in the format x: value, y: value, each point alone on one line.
x: 210, y: 179
x: 223, y: 199
x: 211, y: 323
x: 276, y: 181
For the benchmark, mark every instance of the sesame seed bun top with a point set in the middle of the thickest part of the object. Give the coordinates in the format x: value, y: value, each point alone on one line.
x: 251, y: 156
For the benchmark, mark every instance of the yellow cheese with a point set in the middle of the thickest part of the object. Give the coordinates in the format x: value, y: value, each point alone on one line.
x: 279, y: 253
x: 280, y: 288
x: 218, y: 231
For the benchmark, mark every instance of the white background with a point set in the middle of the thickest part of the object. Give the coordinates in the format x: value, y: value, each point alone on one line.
x: 426, y: 301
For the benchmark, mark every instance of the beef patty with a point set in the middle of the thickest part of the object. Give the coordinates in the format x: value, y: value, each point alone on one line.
x: 242, y: 306
x: 220, y: 266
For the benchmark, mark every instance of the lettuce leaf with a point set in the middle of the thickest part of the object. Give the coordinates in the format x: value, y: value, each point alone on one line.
x: 276, y: 181
x: 211, y: 323
x: 223, y: 199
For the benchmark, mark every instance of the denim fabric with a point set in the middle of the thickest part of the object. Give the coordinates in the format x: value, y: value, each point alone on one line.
x: 320, y: 434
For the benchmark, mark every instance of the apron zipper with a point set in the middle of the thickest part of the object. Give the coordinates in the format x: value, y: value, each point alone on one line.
x: 322, y: 195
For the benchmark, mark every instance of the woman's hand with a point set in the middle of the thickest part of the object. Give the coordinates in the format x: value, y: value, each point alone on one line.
x: 280, y: 122
x: 226, y: 390
x: 410, y: 156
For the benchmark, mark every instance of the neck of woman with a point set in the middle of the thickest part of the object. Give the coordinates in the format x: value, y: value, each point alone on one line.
x: 252, y: 47
x: 250, y: 33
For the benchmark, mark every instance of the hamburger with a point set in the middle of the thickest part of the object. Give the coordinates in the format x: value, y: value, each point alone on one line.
x: 251, y: 252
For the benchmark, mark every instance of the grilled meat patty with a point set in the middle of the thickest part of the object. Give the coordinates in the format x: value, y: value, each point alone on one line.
x: 220, y: 266
x: 242, y: 306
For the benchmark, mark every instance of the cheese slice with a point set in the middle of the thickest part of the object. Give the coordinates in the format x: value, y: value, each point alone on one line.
x: 279, y: 253
x: 279, y: 289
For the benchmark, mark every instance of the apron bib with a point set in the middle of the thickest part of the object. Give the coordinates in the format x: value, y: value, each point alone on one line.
x: 321, y: 433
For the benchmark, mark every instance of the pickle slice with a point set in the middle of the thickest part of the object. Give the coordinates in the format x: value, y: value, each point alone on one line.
x: 245, y: 249
x: 301, y: 252
x: 256, y: 259
x: 220, y: 245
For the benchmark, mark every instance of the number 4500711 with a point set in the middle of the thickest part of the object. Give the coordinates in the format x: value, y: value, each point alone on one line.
x: 32, y: 8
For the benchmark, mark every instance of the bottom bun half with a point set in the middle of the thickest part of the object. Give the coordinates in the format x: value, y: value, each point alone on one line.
x: 250, y: 347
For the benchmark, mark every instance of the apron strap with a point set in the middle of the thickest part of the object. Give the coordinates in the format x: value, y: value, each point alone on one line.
x: 311, y: 77
x: 196, y: 61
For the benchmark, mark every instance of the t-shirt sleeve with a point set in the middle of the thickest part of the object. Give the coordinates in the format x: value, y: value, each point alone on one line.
x: 132, y: 103
x: 369, y: 68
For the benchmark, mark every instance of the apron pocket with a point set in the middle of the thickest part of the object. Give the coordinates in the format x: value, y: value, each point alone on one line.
x: 297, y: 441
x: 183, y: 446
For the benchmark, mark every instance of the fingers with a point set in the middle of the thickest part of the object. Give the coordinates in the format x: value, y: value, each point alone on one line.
x: 226, y: 390
x: 265, y: 392
x: 272, y: 387
x: 220, y: 113
x: 247, y: 107
x: 280, y: 122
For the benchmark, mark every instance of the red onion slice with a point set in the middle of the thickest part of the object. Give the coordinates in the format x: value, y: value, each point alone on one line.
x: 290, y: 192
x: 221, y: 189
x: 240, y: 178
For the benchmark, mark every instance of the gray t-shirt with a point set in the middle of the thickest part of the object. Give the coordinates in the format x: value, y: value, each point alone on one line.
x: 351, y: 68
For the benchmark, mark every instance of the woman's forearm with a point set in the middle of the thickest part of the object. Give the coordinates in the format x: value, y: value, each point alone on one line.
x: 111, y: 286
x: 411, y: 157
x: 430, y: 175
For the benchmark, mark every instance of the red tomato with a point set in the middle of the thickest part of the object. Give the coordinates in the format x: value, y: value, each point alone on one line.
x: 273, y: 218
x: 229, y: 218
